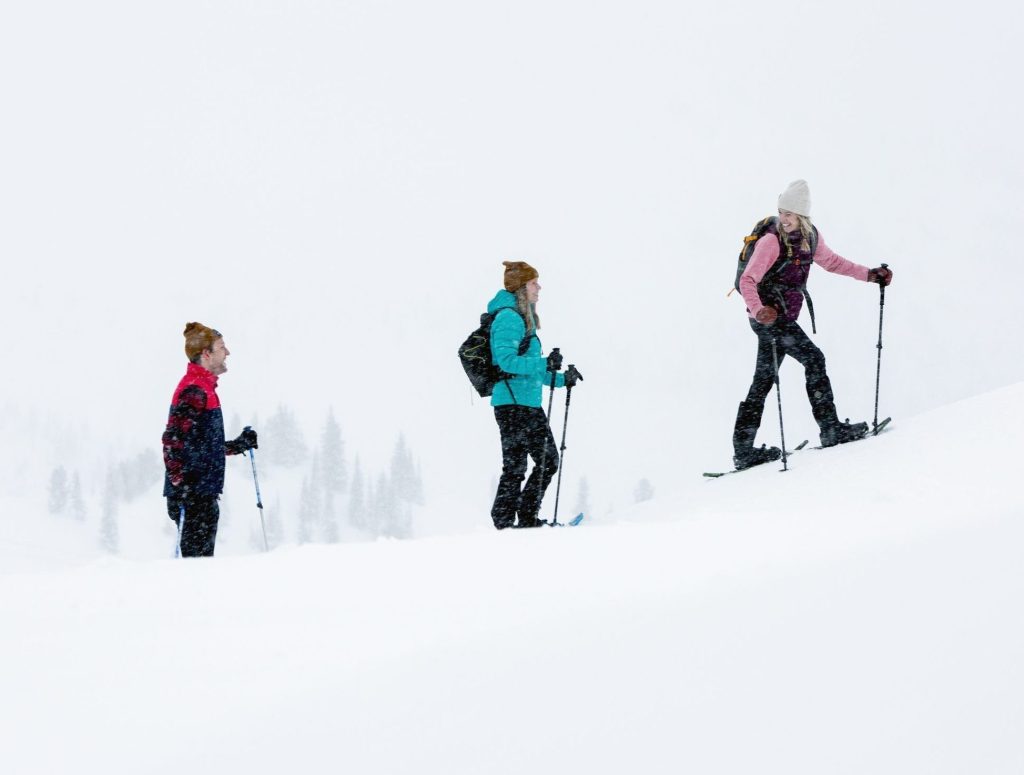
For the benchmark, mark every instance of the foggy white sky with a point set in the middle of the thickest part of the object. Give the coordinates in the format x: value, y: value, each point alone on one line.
x: 335, y: 185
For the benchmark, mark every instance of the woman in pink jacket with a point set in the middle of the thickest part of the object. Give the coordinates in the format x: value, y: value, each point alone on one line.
x: 772, y: 287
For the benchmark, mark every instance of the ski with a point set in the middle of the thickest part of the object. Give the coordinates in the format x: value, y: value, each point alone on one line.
x: 719, y: 474
x: 571, y: 523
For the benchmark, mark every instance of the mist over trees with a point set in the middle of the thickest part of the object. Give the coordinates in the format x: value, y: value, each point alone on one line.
x: 58, y: 490
x: 583, y: 497
x: 337, y: 499
x: 281, y: 441
x: 109, y: 533
x: 643, y: 491
x: 318, y: 489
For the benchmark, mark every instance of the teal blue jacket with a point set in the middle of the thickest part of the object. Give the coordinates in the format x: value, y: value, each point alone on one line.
x: 530, y: 370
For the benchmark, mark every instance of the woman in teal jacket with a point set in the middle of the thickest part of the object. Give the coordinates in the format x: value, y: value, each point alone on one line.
x: 517, y: 399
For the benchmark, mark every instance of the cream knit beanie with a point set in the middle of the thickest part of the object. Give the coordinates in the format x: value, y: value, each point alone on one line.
x: 796, y: 198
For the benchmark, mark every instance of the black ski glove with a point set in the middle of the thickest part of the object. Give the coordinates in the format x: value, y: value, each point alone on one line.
x: 246, y: 440
x: 248, y: 437
x: 881, y: 275
x: 572, y: 376
x: 555, y: 361
x: 182, y: 495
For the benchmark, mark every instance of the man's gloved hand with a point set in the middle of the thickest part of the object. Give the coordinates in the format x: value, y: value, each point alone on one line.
x: 882, y: 275
x: 766, y: 316
x: 248, y: 438
x: 572, y: 376
x: 182, y: 495
x: 555, y: 360
x: 245, y: 441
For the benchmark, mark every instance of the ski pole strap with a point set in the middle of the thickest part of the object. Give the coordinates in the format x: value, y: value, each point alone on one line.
x: 509, y: 388
x: 810, y: 310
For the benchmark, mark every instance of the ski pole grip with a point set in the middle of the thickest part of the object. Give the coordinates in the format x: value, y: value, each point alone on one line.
x: 881, y: 283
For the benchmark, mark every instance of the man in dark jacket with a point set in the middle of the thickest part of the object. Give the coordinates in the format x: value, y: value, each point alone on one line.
x: 194, y: 445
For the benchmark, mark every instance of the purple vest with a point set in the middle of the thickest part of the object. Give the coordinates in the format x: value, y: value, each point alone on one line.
x: 783, y: 289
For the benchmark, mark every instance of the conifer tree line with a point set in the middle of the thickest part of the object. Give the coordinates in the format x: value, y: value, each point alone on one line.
x: 339, y: 498
x: 125, y: 481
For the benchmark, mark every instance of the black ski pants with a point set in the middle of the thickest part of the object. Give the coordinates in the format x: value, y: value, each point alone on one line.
x: 524, y: 432
x: 791, y: 340
x: 198, y: 534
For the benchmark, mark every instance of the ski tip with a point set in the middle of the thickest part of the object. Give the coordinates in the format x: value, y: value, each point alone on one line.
x: 801, y: 445
x: 571, y: 523
x: 881, y: 426
x: 713, y: 474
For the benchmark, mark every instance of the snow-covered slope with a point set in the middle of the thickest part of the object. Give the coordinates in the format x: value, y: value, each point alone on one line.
x: 855, y: 614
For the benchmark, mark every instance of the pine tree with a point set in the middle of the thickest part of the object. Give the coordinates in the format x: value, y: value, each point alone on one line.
x: 306, y: 514
x: 58, y: 490
x: 403, y: 490
x: 316, y: 497
x: 403, y: 472
x: 76, y: 501
x: 643, y: 491
x: 109, y: 538
x: 138, y: 474
x: 282, y: 440
x: 357, y: 498
x: 383, y: 512
x: 332, y: 456
x: 329, y: 517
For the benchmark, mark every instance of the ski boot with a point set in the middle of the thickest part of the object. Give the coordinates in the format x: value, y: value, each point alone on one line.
x: 842, y: 432
x: 755, y: 456
x: 748, y: 419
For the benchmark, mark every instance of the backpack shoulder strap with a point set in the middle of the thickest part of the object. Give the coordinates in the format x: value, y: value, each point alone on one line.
x: 523, y: 347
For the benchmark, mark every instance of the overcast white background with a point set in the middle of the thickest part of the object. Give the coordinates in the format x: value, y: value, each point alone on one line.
x: 335, y: 185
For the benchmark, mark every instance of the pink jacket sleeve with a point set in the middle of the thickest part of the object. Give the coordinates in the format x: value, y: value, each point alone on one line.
x: 835, y: 263
x: 766, y: 253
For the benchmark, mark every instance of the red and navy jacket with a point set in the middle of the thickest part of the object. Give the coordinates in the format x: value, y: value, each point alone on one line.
x: 194, y: 446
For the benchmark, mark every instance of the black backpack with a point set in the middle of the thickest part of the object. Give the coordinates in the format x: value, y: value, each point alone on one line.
x: 475, y: 356
x: 768, y: 287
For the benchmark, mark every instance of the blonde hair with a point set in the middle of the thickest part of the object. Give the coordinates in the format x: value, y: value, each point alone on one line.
x: 527, y: 310
x: 806, y: 230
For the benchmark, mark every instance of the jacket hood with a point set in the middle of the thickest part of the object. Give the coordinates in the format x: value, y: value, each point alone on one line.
x: 501, y: 299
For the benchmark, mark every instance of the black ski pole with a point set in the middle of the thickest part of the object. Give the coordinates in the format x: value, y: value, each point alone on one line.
x: 544, y: 453
x: 259, y: 499
x: 565, y: 424
x: 878, y: 370
x: 778, y: 394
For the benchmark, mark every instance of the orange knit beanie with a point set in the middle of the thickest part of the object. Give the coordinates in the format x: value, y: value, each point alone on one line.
x: 198, y: 338
x: 518, y: 274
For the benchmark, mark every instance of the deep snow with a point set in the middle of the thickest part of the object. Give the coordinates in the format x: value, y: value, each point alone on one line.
x: 854, y: 614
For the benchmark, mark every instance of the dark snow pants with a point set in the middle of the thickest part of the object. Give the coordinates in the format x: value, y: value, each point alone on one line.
x: 524, y: 432
x: 199, y: 533
x: 791, y: 340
